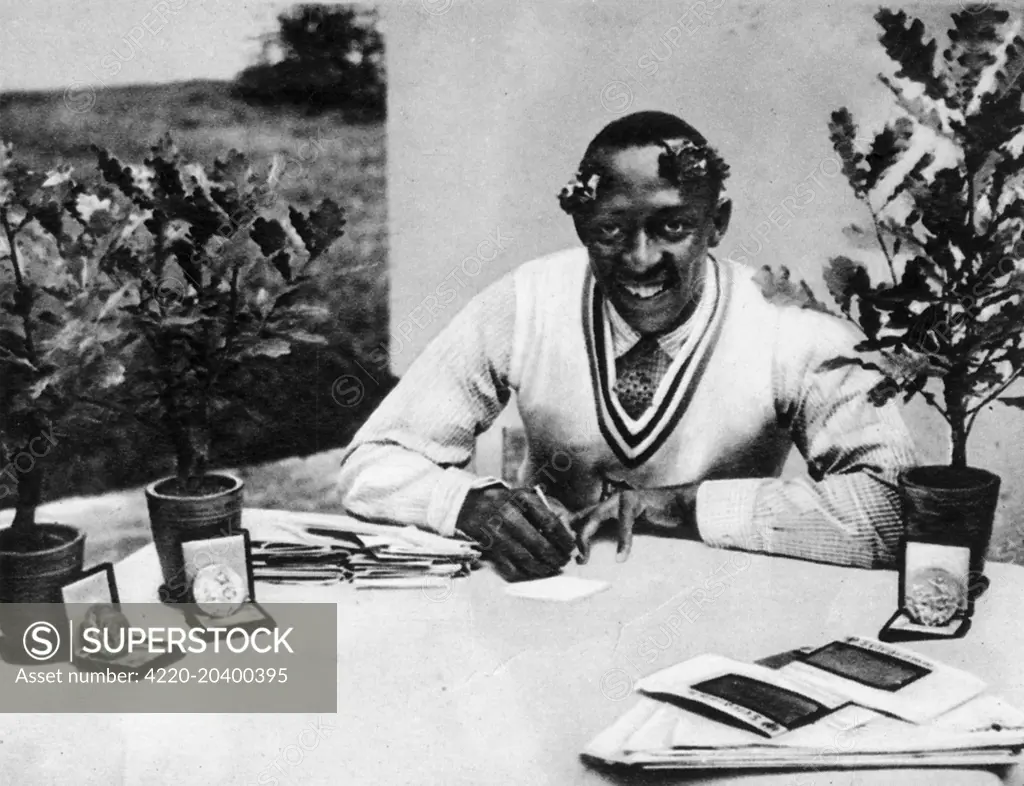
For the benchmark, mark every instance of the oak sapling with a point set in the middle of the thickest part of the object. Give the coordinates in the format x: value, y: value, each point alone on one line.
x: 61, y: 325
x: 942, y: 187
x: 222, y: 275
x: 943, y: 191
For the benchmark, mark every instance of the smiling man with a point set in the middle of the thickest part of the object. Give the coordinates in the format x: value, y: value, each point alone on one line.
x: 659, y: 390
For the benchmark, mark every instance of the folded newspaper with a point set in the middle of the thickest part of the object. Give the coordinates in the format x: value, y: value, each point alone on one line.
x: 854, y: 702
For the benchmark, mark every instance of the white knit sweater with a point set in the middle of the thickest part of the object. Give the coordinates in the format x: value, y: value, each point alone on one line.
x: 748, y: 382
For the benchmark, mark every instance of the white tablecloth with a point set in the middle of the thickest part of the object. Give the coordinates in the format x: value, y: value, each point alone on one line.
x: 471, y: 686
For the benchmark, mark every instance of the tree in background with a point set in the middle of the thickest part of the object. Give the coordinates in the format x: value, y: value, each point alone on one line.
x: 330, y: 57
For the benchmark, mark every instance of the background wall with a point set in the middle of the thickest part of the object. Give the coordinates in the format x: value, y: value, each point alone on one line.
x: 492, y: 103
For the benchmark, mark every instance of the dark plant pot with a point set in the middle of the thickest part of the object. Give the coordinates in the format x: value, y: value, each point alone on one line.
x: 174, y: 517
x: 955, y: 505
x: 35, y: 576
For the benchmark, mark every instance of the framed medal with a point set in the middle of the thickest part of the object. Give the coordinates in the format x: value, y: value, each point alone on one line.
x: 99, y: 628
x: 221, y: 588
x: 934, y: 593
x: 96, y: 585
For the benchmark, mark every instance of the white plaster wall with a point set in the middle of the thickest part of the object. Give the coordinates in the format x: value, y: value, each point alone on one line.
x: 491, y: 104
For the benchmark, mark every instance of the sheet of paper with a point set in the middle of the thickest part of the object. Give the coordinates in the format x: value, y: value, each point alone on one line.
x: 557, y: 588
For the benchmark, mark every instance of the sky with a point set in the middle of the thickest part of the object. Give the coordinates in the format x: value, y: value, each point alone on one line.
x: 53, y: 44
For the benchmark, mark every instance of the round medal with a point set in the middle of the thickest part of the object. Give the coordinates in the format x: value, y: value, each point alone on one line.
x: 933, y: 596
x: 112, y: 626
x: 218, y: 590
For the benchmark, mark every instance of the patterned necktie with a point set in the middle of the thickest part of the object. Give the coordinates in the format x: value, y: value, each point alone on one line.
x: 637, y: 374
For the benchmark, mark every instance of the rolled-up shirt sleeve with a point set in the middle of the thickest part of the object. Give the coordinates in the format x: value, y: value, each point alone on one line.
x: 407, y: 464
x: 848, y: 513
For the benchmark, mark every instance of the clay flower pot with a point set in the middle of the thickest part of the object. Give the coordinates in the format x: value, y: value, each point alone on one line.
x: 175, y: 516
x: 33, y: 575
x: 955, y: 505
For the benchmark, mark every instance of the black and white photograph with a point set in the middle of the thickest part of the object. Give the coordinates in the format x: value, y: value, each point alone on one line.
x: 518, y: 356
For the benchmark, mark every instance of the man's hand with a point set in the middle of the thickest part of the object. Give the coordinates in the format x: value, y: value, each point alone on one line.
x: 516, y: 531
x: 670, y: 511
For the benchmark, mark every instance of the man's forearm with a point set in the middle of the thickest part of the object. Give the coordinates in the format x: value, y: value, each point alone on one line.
x: 848, y: 519
x: 671, y: 512
x: 404, y: 462
x: 391, y: 484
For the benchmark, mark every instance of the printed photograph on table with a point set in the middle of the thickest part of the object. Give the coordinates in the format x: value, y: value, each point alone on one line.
x: 878, y: 670
x: 712, y: 712
x: 886, y: 678
x: 785, y: 708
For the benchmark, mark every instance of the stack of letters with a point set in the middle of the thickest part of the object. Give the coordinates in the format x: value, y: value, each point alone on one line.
x: 332, y: 549
x: 851, y: 703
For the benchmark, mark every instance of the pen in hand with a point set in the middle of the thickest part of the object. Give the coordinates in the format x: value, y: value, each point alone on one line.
x: 565, y: 522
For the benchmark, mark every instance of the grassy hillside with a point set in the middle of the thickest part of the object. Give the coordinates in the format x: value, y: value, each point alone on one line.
x: 326, y: 155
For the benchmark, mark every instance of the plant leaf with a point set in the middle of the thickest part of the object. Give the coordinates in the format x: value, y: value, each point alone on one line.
x: 870, y: 319
x: 843, y: 133
x: 888, y: 148
x: 906, y: 45
x: 111, y: 374
x: 269, y: 236
x: 972, y: 43
x: 913, y: 178
x: 883, y: 392
x: 234, y: 169
x: 304, y: 336
x: 166, y: 176
x: 281, y: 262
x: 860, y: 238
x: 846, y: 279
x: 781, y: 290
x: 51, y: 218
x: 917, y: 107
x: 270, y: 347
x: 120, y: 176
x: 321, y: 228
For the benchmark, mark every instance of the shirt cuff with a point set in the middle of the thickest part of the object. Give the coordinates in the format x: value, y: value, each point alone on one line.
x: 449, y: 494
x: 725, y: 514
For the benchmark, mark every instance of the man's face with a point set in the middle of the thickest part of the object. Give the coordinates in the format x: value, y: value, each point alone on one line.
x: 647, y: 238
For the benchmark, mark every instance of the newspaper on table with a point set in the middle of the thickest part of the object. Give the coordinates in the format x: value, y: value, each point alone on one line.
x: 855, y: 702
x: 319, y: 548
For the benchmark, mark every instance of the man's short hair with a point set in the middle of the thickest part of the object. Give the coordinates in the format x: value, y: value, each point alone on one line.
x: 692, y: 160
x: 641, y: 129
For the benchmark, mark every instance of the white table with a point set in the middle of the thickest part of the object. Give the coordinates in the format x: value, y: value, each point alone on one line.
x: 477, y: 687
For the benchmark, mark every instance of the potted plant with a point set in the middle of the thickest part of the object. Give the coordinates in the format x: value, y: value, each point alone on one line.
x: 59, y: 332
x: 221, y: 278
x: 943, y: 187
